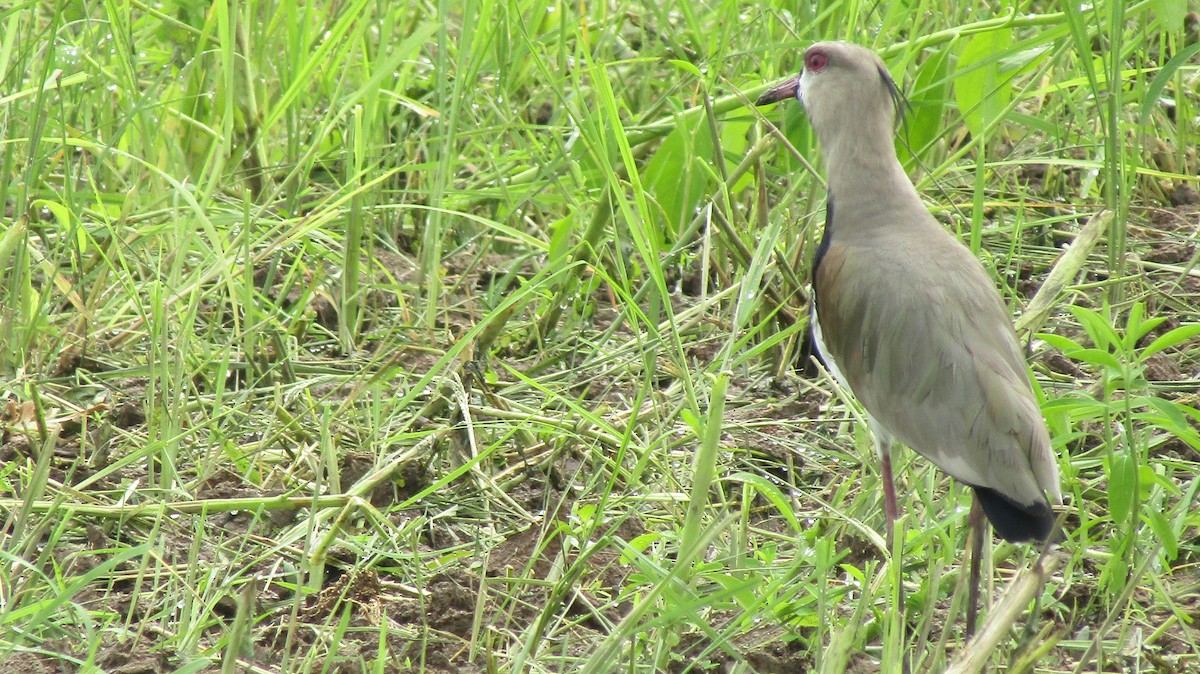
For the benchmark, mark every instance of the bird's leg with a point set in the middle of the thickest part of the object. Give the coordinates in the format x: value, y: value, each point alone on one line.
x: 890, y: 510
x: 978, y: 524
x: 883, y: 447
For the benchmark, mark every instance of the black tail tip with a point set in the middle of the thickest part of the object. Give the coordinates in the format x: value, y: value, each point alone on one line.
x: 1017, y: 523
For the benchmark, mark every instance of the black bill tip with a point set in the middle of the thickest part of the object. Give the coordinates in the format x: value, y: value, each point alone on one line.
x: 782, y: 91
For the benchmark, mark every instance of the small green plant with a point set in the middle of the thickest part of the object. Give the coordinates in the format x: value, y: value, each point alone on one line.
x: 1133, y: 419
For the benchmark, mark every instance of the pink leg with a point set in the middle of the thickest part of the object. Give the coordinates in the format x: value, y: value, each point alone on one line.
x: 890, y: 510
x: 978, y: 530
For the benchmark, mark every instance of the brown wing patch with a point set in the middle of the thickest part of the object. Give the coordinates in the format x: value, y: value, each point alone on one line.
x: 833, y: 311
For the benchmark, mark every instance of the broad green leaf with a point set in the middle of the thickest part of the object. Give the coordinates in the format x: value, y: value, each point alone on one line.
x: 1097, y: 357
x: 1122, y: 478
x: 1164, y: 533
x: 855, y: 573
x: 1138, y: 326
x: 560, y: 236
x: 1172, y: 338
x: 981, y: 89
x: 1103, y: 335
x: 805, y: 619
x: 62, y: 217
x: 687, y: 67
x: 735, y: 142
x: 1189, y: 411
x: 692, y: 421
x: 1147, y: 479
x: 926, y: 105
x: 1133, y: 323
x: 62, y: 214
x: 1168, y: 409
x: 675, y: 175
x: 13, y: 235
x: 739, y: 588
x: 639, y: 544
x: 772, y: 493
x: 1171, y: 417
x: 1064, y: 344
x: 1170, y: 13
x: 1115, y: 572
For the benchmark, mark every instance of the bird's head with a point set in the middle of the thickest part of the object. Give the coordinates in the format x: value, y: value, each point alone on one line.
x: 843, y: 86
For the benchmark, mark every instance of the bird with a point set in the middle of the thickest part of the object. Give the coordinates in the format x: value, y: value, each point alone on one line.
x: 906, y: 318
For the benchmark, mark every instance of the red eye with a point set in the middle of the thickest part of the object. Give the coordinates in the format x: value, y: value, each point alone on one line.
x: 815, y: 61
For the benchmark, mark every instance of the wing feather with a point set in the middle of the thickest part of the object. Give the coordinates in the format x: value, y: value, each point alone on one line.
x: 929, y: 350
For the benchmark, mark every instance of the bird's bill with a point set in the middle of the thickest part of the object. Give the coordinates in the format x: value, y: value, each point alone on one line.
x: 780, y: 92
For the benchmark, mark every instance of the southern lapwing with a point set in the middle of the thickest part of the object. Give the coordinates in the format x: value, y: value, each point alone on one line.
x: 905, y: 317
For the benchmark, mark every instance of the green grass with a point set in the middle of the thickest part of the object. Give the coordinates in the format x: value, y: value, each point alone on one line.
x: 371, y: 336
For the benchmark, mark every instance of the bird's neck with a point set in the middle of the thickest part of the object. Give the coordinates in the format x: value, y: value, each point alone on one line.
x: 862, y: 165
